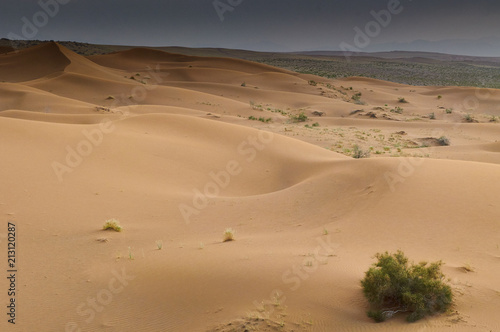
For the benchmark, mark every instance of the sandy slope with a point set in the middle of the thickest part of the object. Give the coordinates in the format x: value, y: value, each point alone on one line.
x: 172, y: 154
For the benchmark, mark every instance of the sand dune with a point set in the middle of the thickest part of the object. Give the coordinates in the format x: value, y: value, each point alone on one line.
x: 180, y: 161
x: 6, y: 49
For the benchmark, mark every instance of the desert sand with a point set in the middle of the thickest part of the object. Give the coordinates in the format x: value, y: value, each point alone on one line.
x: 163, y: 143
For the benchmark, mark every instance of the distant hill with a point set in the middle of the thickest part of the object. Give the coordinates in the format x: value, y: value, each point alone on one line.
x: 407, y: 67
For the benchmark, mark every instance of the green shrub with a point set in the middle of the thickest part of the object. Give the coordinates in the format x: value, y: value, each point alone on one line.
x: 392, y: 285
x: 301, y: 117
x: 402, y: 100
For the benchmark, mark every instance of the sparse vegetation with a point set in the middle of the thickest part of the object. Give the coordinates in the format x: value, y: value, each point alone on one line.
x: 468, y: 268
x: 159, y: 244
x: 130, y: 256
x: 454, y: 73
x: 397, y: 109
x: 402, y: 100
x: 439, y: 97
x: 228, y: 235
x: 391, y: 286
x: 301, y: 117
x: 357, y: 99
x: 443, y: 140
x: 432, y: 116
x: 112, y: 224
x: 358, y: 153
x: 469, y: 118
x: 243, y: 84
x: 449, y: 110
x: 313, y: 83
x: 261, y: 119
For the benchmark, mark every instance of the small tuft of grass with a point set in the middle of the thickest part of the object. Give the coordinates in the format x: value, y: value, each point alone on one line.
x: 397, y: 109
x: 159, y: 244
x: 243, y: 84
x: 228, y: 235
x: 432, y: 116
x: 449, y: 110
x: 112, y: 224
x: 468, y: 268
x: 469, y: 118
x: 313, y: 83
x: 402, y: 100
x: 439, y: 97
x: 130, y: 256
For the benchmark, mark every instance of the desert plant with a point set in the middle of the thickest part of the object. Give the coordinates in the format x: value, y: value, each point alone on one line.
x: 301, y: 117
x: 439, y: 97
x: 130, y: 255
x: 357, y: 99
x: 112, y: 224
x: 391, y: 285
x: 468, y: 268
x: 449, y: 110
x: 313, y: 83
x: 357, y: 153
x: 159, y: 244
x: 469, y: 118
x: 228, y: 235
x: 397, y: 109
x: 402, y: 100
x: 443, y: 140
x: 432, y: 116
x: 243, y: 84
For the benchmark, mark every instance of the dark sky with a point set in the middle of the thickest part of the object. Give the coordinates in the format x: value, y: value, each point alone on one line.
x: 458, y: 26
